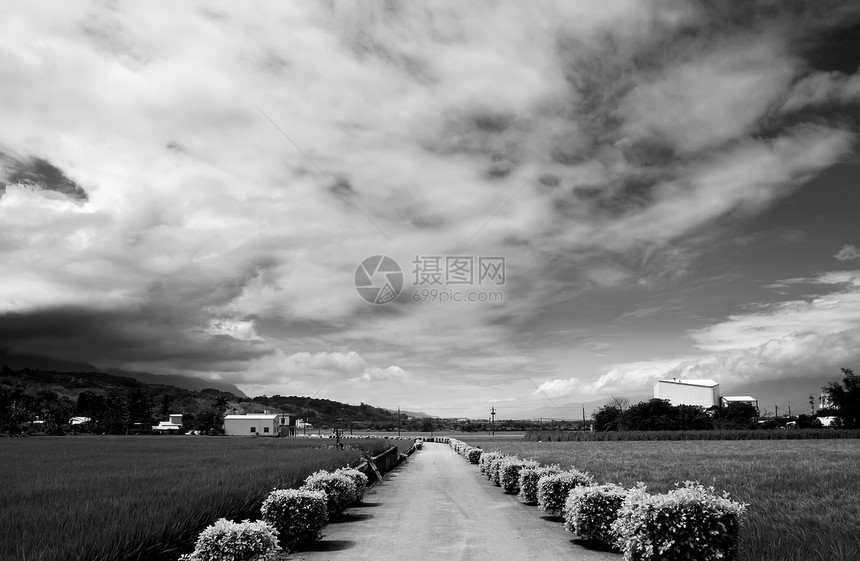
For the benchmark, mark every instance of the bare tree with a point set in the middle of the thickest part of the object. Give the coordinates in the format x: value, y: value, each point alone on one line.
x: 620, y: 403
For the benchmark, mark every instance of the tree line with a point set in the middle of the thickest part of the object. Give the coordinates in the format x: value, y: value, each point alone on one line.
x: 660, y: 415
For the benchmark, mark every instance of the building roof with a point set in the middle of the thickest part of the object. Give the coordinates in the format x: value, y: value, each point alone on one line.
x: 690, y: 382
x: 254, y: 417
x: 739, y: 398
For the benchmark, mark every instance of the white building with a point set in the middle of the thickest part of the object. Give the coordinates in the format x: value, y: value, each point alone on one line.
x: 705, y: 393
x: 726, y: 399
x: 258, y: 424
x: 174, y: 425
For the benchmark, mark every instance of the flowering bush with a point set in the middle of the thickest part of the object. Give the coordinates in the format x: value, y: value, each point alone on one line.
x: 419, y: 444
x: 493, y: 469
x: 509, y: 473
x: 299, y: 515
x: 235, y: 541
x: 339, y: 490
x: 474, y: 454
x: 552, y: 489
x: 590, y: 511
x: 360, y: 481
x: 486, y: 458
x: 690, y: 522
x: 528, y: 481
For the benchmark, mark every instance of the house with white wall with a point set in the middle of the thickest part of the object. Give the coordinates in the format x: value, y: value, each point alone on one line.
x: 259, y: 424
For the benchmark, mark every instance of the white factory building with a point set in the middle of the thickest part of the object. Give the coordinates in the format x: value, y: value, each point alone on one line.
x: 259, y: 424
x: 704, y: 393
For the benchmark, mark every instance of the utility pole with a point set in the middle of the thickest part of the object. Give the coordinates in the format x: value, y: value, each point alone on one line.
x: 583, y: 416
x: 493, y: 421
x: 398, y: 420
x: 812, y: 405
x: 789, y: 409
x: 776, y: 411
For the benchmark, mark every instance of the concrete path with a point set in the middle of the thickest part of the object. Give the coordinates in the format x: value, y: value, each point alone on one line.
x: 436, y: 506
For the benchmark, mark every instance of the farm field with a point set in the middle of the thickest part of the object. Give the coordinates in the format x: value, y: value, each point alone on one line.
x: 802, y: 494
x: 108, y: 498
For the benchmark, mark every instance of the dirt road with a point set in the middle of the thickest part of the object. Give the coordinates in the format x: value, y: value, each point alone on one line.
x: 438, y: 507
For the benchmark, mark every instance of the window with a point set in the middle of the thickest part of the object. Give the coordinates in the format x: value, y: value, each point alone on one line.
x: 265, y: 429
x: 254, y: 429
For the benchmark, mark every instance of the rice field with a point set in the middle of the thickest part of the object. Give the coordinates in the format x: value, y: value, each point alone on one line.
x: 141, y: 498
x: 803, y: 495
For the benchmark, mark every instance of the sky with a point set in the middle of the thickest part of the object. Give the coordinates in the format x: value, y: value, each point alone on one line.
x: 192, y: 188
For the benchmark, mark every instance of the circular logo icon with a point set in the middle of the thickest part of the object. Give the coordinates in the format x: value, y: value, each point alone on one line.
x: 378, y: 279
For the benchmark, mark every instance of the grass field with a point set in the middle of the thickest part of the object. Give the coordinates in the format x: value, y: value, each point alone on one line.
x: 141, y: 498
x: 802, y: 494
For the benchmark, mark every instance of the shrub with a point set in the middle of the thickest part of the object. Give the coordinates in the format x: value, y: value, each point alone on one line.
x: 589, y: 512
x: 360, y: 481
x: 486, y: 457
x: 419, y: 444
x: 509, y: 473
x: 690, y: 522
x: 474, y: 455
x: 493, y: 469
x: 339, y: 490
x: 235, y: 541
x: 552, y: 489
x: 528, y: 482
x: 299, y: 515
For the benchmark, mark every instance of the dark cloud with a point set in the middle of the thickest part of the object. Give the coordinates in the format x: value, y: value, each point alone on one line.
x: 39, y: 173
x: 152, y: 336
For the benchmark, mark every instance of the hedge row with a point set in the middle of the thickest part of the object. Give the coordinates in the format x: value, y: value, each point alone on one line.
x: 290, y: 518
x: 689, y: 522
x: 758, y: 434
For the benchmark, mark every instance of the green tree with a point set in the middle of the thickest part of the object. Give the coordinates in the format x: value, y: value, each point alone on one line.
x: 606, y: 418
x: 660, y: 414
x: 736, y: 415
x: 845, y: 396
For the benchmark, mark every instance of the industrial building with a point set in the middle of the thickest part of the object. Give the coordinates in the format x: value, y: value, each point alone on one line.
x: 260, y: 424
x: 704, y: 393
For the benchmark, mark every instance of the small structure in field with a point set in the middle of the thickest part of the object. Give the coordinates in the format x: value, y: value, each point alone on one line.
x: 727, y: 399
x: 173, y: 426
x: 260, y: 424
x: 704, y: 393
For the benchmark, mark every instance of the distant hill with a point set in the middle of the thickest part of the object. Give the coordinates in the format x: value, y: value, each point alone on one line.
x: 19, y: 362
x: 415, y: 414
x: 184, y: 382
x: 35, y: 362
x: 330, y: 413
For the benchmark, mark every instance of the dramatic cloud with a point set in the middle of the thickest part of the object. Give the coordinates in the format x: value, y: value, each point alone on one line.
x: 188, y: 188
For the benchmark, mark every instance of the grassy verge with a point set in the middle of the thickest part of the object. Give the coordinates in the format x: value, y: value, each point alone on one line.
x: 802, y: 493
x: 135, y: 498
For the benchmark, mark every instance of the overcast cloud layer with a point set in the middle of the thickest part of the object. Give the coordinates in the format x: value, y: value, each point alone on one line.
x: 189, y: 188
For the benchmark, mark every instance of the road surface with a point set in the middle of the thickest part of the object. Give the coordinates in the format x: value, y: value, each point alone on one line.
x: 436, y: 506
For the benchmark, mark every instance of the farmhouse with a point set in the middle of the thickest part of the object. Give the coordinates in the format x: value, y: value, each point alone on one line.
x: 260, y: 424
x: 172, y: 426
x: 705, y: 393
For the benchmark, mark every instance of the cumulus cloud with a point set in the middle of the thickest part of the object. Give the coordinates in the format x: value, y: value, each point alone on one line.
x: 790, y: 339
x: 823, y: 88
x: 848, y: 252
